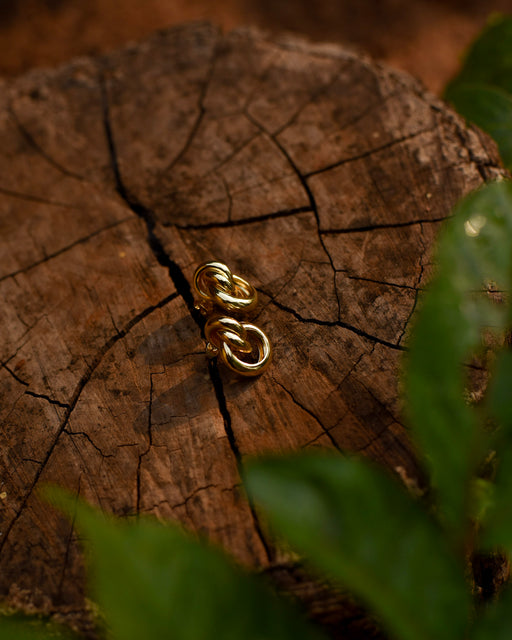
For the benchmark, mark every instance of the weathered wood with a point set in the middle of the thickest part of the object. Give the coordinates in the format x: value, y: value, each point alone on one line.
x: 316, y: 174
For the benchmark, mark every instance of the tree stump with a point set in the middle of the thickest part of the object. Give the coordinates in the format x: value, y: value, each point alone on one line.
x: 318, y: 175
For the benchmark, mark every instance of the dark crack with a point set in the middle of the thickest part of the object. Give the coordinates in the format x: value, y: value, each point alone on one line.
x: 285, y: 213
x: 68, y: 247
x: 377, y: 227
x: 62, y: 405
x: 370, y: 152
x: 33, y: 460
x: 374, y: 439
x: 416, y: 286
x: 85, y: 435
x: 181, y: 284
x: 185, y: 502
x: 86, y: 377
x: 385, y: 283
x: 37, y: 148
x: 200, y: 115
x: 37, y: 199
x: 310, y: 196
x: 354, y: 366
x: 68, y: 544
x: 313, y: 98
x: 150, y: 440
x: 194, y: 493
x: 333, y: 323
x: 20, y: 347
x: 234, y: 152
x: 12, y: 373
x: 309, y: 412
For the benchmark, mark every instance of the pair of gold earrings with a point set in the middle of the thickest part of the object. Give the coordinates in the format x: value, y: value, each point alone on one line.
x: 241, y: 346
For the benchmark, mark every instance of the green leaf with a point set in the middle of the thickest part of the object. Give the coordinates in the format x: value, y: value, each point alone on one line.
x: 500, y: 393
x: 154, y: 581
x: 357, y: 525
x: 488, y: 107
x: 22, y: 628
x: 473, y: 249
x: 482, y: 499
x: 482, y: 91
x: 497, y: 525
x: 496, y: 621
x: 489, y: 60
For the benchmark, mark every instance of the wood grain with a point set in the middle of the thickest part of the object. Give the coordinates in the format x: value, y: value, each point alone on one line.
x: 316, y: 174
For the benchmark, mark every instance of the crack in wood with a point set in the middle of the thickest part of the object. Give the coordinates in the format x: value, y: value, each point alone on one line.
x: 27, y: 136
x: 68, y: 543
x: 86, y: 377
x: 217, y: 147
x: 150, y: 441
x: 65, y: 249
x: 370, y: 152
x: 416, y: 286
x: 378, y: 227
x: 325, y: 431
x: 194, y: 493
x: 201, y: 112
x: 276, y: 215
x: 85, y: 435
x: 235, y: 151
x: 314, y: 97
x: 332, y: 323
x: 12, y: 373
x: 42, y: 396
x: 37, y: 199
x: 375, y: 281
x: 182, y: 288
x: 33, y: 394
x: 309, y: 193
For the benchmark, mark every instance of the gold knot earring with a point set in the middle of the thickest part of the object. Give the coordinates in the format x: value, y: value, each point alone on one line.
x: 241, y: 346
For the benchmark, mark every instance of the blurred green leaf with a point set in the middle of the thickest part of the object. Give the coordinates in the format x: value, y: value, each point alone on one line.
x: 23, y: 628
x: 474, y: 248
x: 489, y: 59
x: 488, y: 107
x: 154, y: 581
x: 482, y: 91
x: 357, y: 525
x: 500, y: 393
x: 496, y: 621
x: 497, y: 531
x: 482, y: 499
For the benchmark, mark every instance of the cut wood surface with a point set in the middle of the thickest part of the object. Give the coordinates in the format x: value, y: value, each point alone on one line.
x: 316, y: 174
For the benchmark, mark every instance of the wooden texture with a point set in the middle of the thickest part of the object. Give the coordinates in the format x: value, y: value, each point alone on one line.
x: 316, y: 174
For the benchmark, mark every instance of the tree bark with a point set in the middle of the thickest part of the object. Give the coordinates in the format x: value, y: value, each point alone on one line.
x: 319, y: 176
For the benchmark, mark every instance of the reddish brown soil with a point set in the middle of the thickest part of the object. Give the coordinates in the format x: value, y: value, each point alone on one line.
x: 424, y: 37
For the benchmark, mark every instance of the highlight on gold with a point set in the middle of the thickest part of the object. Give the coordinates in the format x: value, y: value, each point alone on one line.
x: 216, y: 286
x: 241, y: 346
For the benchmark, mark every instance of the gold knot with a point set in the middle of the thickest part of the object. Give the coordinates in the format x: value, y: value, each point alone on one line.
x: 242, y: 347
x: 216, y: 286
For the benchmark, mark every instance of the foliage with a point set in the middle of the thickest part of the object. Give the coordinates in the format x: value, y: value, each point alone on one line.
x: 154, y: 581
x: 351, y: 521
x: 16, y: 627
x: 482, y: 91
x: 359, y: 526
x: 356, y: 524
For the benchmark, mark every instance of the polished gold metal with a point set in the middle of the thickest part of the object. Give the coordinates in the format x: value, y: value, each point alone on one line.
x: 216, y: 287
x: 241, y: 346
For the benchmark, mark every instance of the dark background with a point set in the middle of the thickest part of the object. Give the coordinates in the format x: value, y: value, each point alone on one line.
x: 424, y: 37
